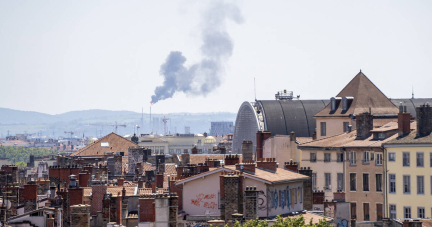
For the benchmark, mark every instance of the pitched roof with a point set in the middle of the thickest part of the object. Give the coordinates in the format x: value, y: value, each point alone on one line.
x: 114, y: 190
x: 115, y: 143
x: 411, y: 138
x: 350, y: 139
x: 366, y: 95
x: 280, y: 175
x: 201, y: 158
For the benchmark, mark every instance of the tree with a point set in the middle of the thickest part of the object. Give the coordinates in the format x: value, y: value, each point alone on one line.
x: 281, y: 222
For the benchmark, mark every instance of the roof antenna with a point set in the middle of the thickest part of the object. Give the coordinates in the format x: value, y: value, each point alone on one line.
x: 360, y: 70
x: 412, y: 92
x: 255, y: 89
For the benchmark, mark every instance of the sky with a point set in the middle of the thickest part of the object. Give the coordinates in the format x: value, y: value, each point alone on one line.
x: 60, y: 56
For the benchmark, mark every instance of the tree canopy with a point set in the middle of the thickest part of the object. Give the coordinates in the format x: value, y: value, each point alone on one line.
x: 17, y: 155
x: 281, y: 222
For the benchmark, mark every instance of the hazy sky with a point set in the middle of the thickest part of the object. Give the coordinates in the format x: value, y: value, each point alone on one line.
x: 58, y: 56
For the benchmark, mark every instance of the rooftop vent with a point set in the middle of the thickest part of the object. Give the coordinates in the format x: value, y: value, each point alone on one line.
x: 282, y: 95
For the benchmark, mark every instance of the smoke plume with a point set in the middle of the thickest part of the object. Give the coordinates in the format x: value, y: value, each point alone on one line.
x: 202, y: 77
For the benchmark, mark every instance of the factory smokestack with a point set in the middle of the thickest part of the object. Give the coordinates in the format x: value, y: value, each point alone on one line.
x: 202, y: 77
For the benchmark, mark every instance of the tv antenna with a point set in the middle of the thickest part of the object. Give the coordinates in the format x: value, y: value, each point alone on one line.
x: 255, y: 89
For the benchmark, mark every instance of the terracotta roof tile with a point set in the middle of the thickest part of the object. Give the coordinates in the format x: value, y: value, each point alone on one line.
x: 114, y: 190
x: 201, y: 158
x: 115, y: 142
x: 302, y: 140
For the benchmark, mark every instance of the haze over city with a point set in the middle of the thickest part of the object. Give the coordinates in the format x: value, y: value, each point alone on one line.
x: 64, y: 56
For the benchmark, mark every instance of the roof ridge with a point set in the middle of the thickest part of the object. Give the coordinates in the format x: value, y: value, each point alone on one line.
x: 328, y: 137
x: 97, y: 141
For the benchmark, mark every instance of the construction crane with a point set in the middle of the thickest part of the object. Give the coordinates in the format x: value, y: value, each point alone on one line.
x: 115, y: 125
x: 71, y: 133
x: 165, y: 120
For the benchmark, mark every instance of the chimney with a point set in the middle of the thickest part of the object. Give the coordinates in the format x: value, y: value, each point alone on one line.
x: 231, y: 160
x: 159, y: 180
x: 140, y: 183
x: 267, y: 164
x: 120, y: 181
x: 185, y: 159
x: 247, y: 165
x: 222, y: 150
x: 205, y: 134
x: 293, y: 166
x: 364, y: 124
x: 261, y: 136
x: 247, y: 149
x: 194, y: 150
x: 314, y: 135
x: 147, y: 209
x: 307, y: 188
x: 203, y: 168
x: 179, y: 170
x: 339, y: 196
x: 424, y: 120
x: 403, y: 121
x: 292, y: 136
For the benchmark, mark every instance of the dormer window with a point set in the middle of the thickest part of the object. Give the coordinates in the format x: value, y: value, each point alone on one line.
x: 346, y: 101
x: 334, y: 102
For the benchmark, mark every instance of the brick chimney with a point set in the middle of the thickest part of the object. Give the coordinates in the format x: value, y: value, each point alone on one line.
x: 403, y: 121
x: 247, y: 150
x: 140, y: 183
x: 194, y: 150
x: 247, y: 165
x: 424, y: 120
x: 159, y: 180
x: 147, y: 209
x: 261, y: 136
x: 212, y: 163
x: 76, y: 196
x: 293, y: 166
x: 203, y: 168
x: 120, y: 181
x: 339, y: 196
x: 267, y: 164
x: 179, y: 170
x: 231, y: 160
x: 364, y: 124
x: 153, y: 184
x: 84, y: 178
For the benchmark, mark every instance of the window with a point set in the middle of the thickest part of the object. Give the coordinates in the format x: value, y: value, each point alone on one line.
x: 352, y: 158
x: 406, y: 184
x: 365, y: 156
x: 392, y: 180
x: 171, y: 151
x: 378, y: 178
x: 420, y: 159
x: 353, y: 211
x: 323, y: 129
x: 295, y: 196
x: 420, y: 212
x: 313, y: 157
x: 430, y: 161
x: 185, y: 151
x: 340, y: 157
x: 300, y: 194
x: 340, y: 182
x: 199, y: 142
x: 366, y: 212
x: 420, y: 185
x: 392, y: 157
x: 353, y: 182
x: 406, y: 159
x: 365, y: 182
x: 407, y: 212
x: 392, y: 211
x: 378, y: 160
x: 327, y: 181
x: 345, y: 126
x: 314, y: 181
x: 327, y: 157
x: 379, y: 211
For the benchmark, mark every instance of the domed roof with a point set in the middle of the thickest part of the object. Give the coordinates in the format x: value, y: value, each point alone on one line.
x: 92, y: 140
x: 209, y: 140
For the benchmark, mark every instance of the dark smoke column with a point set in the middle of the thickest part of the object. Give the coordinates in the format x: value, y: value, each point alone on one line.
x: 202, y: 77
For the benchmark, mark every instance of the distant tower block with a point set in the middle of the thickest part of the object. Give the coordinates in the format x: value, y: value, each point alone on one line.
x: 187, y: 130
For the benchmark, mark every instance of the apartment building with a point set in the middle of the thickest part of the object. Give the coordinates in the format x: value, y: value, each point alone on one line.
x: 409, y: 170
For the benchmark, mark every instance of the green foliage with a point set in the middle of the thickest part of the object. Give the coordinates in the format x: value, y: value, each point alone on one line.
x: 21, y: 164
x: 21, y: 155
x: 280, y: 222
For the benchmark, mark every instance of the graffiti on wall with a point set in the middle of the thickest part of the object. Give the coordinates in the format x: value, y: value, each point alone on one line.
x: 341, y: 222
x: 202, y: 200
x: 262, y: 200
x: 285, y: 199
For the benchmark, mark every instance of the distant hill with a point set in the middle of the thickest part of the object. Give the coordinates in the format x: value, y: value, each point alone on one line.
x: 90, y: 122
